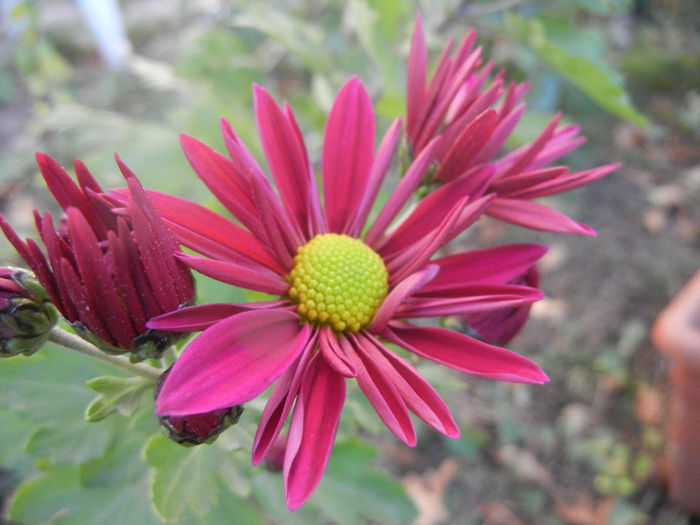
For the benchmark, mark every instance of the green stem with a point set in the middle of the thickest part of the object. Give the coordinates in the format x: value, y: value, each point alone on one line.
x: 75, y: 343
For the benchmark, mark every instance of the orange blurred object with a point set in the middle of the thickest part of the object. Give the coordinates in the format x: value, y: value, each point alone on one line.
x: 677, y: 334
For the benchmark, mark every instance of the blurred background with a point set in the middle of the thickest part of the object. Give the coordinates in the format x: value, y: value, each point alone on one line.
x: 88, y: 79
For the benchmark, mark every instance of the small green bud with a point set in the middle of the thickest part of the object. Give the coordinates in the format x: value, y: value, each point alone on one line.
x: 26, y: 313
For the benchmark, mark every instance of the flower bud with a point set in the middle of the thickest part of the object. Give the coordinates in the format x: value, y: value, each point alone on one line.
x: 110, y: 265
x: 26, y: 313
x: 197, y: 429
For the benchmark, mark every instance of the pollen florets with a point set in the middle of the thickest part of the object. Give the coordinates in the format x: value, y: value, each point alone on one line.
x: 338, y: 281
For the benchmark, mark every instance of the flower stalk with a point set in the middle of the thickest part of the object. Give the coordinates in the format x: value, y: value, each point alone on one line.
x: 79, y: 345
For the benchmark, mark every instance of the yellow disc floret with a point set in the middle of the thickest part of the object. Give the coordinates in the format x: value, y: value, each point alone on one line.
x: 338, y: 281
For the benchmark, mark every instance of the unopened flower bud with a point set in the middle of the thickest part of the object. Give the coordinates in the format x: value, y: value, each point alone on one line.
x: 26, y: 313
x: 196, y: 429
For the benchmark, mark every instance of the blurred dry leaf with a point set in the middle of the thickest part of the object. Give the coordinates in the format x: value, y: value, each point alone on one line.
x: 584, y: 510
x: 547, y: 308
x: 496, y: 513
x: 649, y: 405
x: 525, y: 465
x: 655, y: 220
x: 428, y: 492
x: 554, y: 258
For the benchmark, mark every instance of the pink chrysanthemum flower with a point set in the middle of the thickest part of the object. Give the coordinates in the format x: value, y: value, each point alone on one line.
x: 460, y: 104
x: 110, y: 266
x: 344, y: 288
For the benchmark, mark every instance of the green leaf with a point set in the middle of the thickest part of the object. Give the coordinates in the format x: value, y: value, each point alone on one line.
x: 15, y: 429
x: 603, y: 86
x: 121, y: 394
x: 348, y: 480
x: 269, y: 491
x: 306, y: 40
x: 188, y: 480
x: 48, y: 390
x: 122, y: 463
x: 71, y: 440
x: 57, y: 497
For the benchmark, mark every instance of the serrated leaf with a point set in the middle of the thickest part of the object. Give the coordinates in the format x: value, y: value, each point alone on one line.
x: 48, y: 390
x: 232, y: 510
x: 15, y: 429
x: 122, y: 462
x: 57, y: 497
x: 602, y: 86
x: 269, y: 491
x: 187, y: 479
x: 70, y: 440
x: 121, y: 394
x: 348, y: 480
x: 50, y: 385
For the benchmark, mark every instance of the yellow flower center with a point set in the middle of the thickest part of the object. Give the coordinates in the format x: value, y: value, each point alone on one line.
x: 338, y: 281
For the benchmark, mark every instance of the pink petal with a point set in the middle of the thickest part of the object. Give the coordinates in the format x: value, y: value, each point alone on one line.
x: 466, y: 146
x: 420, y: 397
x: 499, y: 264
x: 380, y: 391
x: 535, y: 216
x: 280, y: 403
x: 238, y: 274
x: 35, y: 259
x: 259, y: 184
x: 462, y: 215
x: 416, y: 77
x: 287, y: 158
x: 78, y: 296
x: 377, y: 173
x: 455, y: 81
x: 67, y: 193
x: 398, y: 295
x: 229, y: 186
x: 523, y: 159
x: 561, y: 183
x: 97, y: 280
x: 347, y: 154
x: 232, y: 362
x: 312, y: 431
x: 432, y: 209
x: 522, y: 182
x: 333, y: 354
x: 402, y: 193
x: 202, y: 316
x: 149, y: 228
x: 505, y: 126
x: 465, y: 353
x: 470, y: 299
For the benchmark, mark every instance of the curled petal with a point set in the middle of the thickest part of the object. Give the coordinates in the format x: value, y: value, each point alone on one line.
x: 280, y: 403
x: 399, y: 294
x: 202, y: 316
x: 535, y: 216
x: 380, y: 391
x: 470, y: 299
x: 402, y: 193
x: 496, y: 265
x: 312, y: 430
x: 332, y: 352
x: 465, y: 353
x: 243, y: 354
x: 238, y: 274
x: 420, y: 397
